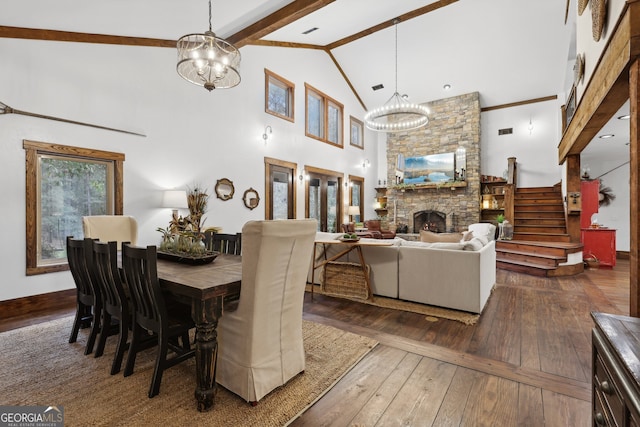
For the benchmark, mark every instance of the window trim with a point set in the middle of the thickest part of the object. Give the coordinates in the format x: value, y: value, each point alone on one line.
x: 268, y: 77
x: 326, y: 100
x: 360, y: 124
x: 32, y: 150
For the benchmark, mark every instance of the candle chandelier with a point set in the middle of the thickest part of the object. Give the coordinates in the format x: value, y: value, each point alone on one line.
x: 208, y: 61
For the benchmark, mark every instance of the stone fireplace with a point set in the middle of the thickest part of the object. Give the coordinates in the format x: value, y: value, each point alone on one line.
x: 431, y: 220
x: 453, y: 123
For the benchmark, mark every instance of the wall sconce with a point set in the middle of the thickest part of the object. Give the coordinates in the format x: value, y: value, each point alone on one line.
x: 267, y: 134
x: 365, y: 163
x: 530, y: 126
x: 175, y: 199
x: 303, y: 177
x: 461, y: 164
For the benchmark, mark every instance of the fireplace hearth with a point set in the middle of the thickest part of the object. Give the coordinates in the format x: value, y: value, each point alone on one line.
x: 431, y: 220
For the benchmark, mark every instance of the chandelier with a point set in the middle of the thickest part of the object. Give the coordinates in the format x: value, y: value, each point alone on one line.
x: 208, y: 61
x: 397, y: 114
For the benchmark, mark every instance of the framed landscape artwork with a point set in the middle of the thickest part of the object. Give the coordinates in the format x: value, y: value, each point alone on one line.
x: 432, y: 168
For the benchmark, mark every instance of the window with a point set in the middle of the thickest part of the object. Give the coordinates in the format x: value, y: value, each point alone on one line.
x: 323, y: 117
x: 280, y: 189
x: 62, y: 185
x: 278, y: 98
x: 356, y: 196
x: 356, y: 134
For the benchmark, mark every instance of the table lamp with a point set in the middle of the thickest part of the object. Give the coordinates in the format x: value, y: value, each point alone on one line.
x: 175, y: 199
x: 353, y: 211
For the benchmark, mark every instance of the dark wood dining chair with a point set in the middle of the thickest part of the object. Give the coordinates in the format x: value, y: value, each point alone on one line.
x: 153, y: 315
x: 88, y: 297
x: 115, y: 304
x: 224, y: 243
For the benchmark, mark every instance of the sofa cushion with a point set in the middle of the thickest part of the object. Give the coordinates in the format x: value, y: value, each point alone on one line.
x: 483, y: 229
x: 454, y: 246
x: 431, y: 237
x: 415, y: 244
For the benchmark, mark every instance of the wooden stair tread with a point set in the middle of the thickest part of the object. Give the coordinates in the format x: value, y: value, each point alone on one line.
x: 561, y: 245
x: 530, y: 254
x: 526, y: 264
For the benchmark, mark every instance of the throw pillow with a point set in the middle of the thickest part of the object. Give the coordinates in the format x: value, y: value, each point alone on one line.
x: 466, y: 236
x: 474, y: 244
x: 431, y: 237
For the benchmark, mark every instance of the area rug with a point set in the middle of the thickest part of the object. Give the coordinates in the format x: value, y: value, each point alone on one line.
x: 433, y: 313
x: 39, y: 367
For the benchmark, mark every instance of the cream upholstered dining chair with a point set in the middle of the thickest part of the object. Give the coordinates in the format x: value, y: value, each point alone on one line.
x: 107, y: 228
x: 260, y: 344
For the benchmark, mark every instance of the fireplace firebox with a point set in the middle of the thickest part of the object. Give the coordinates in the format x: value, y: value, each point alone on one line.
x: 431, y: 220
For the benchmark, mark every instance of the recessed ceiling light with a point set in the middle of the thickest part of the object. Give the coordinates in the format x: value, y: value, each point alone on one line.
x: 377, y: 87
x: 446, y: 87
x: 310, y: 30
x: 625, y: 117
x: 608, y: 135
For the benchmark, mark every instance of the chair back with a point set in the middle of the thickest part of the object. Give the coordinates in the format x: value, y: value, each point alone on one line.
x: 107, y: 275
x: 223, y: 243
x: 80, y: 258
x: 275, y: 262
x: 120, y: 228
x: 372, y: 225
x: 141, y: 276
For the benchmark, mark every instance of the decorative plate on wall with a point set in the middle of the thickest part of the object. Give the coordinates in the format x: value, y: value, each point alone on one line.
x: 578, y: 68
x: 582, y: 5
x: 598, y: 16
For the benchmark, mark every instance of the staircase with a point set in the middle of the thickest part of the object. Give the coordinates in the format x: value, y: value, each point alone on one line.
x: 541, y: 245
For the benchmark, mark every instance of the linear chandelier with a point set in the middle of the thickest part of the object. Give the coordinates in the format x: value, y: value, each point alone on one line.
x: 208, y: 61
x: 397, y: 114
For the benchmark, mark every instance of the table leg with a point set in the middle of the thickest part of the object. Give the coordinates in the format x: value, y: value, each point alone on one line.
x: 205, y: 314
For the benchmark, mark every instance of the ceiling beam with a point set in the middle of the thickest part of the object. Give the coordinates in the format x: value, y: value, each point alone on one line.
x: 278, y: 19
x: 405, y: 17
x: 68, y: 36
x: 273, y: 43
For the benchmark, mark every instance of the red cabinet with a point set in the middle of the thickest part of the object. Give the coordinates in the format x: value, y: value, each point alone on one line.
x: 590, y: 195
x: 600, y: 242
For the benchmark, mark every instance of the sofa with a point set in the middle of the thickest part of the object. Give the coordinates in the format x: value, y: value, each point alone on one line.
x: 458, y: 275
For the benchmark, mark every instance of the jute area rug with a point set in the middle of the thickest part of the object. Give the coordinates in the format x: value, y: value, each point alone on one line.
x: 39, y: 367
x: 431, y: 312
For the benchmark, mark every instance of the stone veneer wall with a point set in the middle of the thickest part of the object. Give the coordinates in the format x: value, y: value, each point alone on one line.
x: 453, y: 122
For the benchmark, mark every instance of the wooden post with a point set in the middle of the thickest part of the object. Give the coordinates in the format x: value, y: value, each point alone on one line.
x: 634, y: 187
x: 573, y: 186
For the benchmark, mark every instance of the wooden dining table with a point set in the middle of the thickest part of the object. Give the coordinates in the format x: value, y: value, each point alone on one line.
x: 206, y: 287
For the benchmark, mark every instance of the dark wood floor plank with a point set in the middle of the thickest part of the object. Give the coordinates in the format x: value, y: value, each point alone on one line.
x: 562, y: 410
x: 530, y: 408
x: 345, y: 399
x: 529, y: 349
x: 560, y: 384
x: 418, y: 401
x: 493, y: 401
x: 377, y: 405
x: 455, y: 401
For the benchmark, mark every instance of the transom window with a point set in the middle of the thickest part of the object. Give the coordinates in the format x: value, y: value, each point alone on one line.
x: 279, y: 96
x: 324, y: 117
x: 63, y: 185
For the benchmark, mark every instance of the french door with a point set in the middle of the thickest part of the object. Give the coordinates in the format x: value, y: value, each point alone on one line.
x: 323, y: 199
x: 280, y: 188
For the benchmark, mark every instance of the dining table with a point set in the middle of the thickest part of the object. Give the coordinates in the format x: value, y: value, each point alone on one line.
x: 206, y: 287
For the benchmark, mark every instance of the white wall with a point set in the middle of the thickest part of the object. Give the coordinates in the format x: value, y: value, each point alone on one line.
x: 536, y: 152
x: 193, y: 137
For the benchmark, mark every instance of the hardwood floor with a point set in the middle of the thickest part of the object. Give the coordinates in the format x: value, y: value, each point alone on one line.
x: 526, y: 362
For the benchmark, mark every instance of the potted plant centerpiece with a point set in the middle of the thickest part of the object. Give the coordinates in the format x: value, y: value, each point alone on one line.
x: 183, y: 239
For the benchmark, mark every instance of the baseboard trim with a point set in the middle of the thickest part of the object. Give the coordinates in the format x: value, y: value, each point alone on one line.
x: 622, y: 254
x: 36, y: 303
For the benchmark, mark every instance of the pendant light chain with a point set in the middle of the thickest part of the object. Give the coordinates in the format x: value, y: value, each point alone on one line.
x: 396, y: 25
x: 210, y: 16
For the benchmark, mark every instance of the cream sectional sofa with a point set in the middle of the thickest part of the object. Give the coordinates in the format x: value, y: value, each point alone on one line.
x: 459, y: 275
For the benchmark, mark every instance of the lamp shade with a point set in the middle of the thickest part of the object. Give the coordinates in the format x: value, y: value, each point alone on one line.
x: 353, y: 210
x: 175, y: 199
